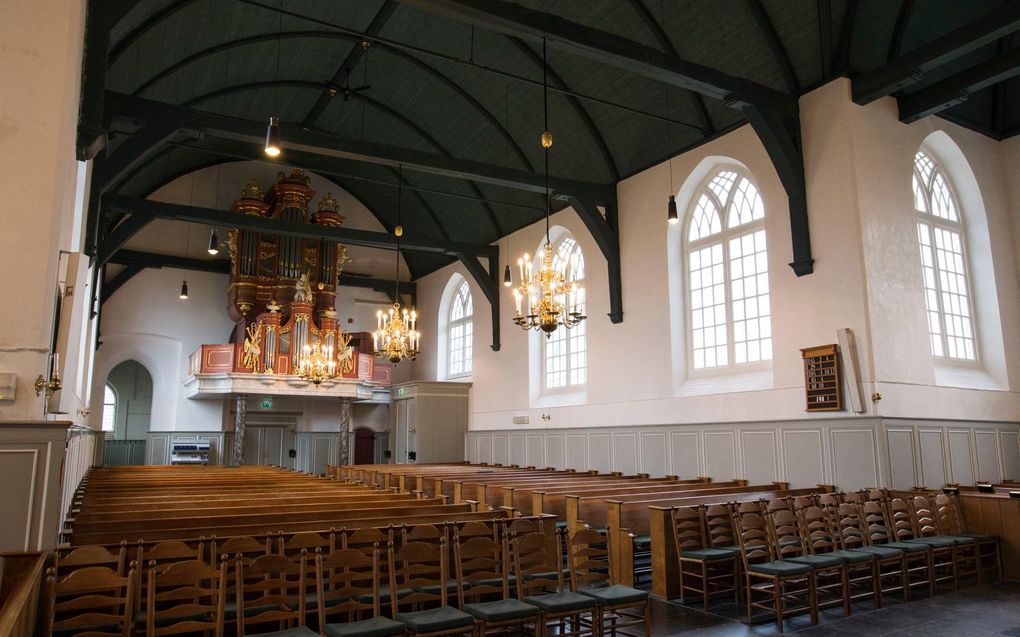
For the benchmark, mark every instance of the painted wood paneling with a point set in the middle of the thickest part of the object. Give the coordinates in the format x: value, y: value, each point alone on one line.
x: 854, y: 458
x: 720, y: 454
x: 802, y: 449
x: 684, y: 455
x: 654, y: 450
x: 759, y: 458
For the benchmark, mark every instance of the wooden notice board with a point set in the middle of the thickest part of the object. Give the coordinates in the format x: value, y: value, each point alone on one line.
x: 822, y: 384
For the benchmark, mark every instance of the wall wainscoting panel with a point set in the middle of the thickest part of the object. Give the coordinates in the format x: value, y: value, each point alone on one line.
x: 31, y: 457
x: 850, y: 453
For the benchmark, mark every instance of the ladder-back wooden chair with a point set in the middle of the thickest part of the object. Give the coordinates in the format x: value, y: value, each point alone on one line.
x: 348, y: 583
x: 821, y: 537
x: 917, y: 557
x: 989, y: 551
x: 830, y: 571
x: 185, y: 597
x: 890, y: 563
x: 540, y: 582
x: 421, y: 591
x: 618, y: 607
x: 926, y: 529
x: 91, y: 601
x: 788, y: 587
x: 482, y: 568
x: 704, y: 569
x: 271, y: 591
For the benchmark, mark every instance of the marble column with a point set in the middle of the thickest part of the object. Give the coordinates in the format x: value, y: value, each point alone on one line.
x: 240, y: 418
x: 345, y: 431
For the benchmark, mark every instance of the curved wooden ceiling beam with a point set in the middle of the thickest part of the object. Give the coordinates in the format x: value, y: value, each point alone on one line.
x: 575, y: 103
x: 333, y: 35
x: 400, y: 117
x: 132, y: 36
x: 775, y: 44
x: 899, y: 29
x: 658, y: 31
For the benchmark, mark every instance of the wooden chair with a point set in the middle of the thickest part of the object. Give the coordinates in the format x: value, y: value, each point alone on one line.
x: 90, y: 602
x: 83, y: 556
x: 540, y: 582
x: 185, y: 597
x: 789, y: 586
x: 821, y: 537
x: 244, y: 546
x: 591, y: 574
x: 943, y: 566
x: 348, y: 584
x: 917, y: 557
x: 482, y: 568
x: 989, y: 550
x: 830, y: 571
x: 890, y: 563
x: 704, y: 570
x: 420, y: 591
x: 272, y: 589
x: 963, y: 549
x: 308, y: 541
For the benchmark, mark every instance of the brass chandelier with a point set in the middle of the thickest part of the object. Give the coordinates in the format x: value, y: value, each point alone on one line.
x: 551, y: 294
x: 396, y: 337
x: 317, y: 363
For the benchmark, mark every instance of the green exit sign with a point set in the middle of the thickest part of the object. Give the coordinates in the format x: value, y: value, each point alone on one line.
x: 267, y: 402
x: 401, y: 391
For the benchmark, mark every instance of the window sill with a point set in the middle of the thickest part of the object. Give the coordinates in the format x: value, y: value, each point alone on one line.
x: 463, y: 378
x: 726, y: 381
x: 965, y: 376
x: 561, y: 398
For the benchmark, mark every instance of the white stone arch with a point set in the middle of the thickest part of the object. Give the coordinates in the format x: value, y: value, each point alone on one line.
x: 159, y: 355
x: 990, y: 371
x: 761, y: 376
x: 454, y: 283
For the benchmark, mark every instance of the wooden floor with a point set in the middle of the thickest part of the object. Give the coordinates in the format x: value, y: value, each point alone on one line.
x: 979, y: 611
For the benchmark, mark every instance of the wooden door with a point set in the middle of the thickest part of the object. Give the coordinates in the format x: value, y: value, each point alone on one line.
x: 364, y: 446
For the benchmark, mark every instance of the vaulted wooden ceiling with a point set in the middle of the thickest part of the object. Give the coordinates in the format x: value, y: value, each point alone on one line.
x: 451, y: 91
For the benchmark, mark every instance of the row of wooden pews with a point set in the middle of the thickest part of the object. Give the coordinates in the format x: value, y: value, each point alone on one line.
x: 172, y: 503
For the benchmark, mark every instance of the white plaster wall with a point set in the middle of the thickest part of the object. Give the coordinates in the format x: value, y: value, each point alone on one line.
x: 41, y: 73
x: 858, y: 163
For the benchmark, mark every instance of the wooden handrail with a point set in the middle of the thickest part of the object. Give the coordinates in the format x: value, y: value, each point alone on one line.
x: 20, y: 591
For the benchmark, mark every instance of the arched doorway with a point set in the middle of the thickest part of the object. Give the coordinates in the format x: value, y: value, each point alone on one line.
x: 364, y: 446
x: 127, y: 411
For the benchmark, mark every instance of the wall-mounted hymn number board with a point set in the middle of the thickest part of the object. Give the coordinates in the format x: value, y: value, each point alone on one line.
x: 821, y: 378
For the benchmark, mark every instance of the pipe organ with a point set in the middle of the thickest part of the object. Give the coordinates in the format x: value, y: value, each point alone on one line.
x: 282, y: 292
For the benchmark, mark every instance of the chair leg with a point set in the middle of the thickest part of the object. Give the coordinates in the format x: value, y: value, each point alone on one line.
x: 704, y: 585
x: 813, y: 597
x: 778, y: 590
x: 876, y: 581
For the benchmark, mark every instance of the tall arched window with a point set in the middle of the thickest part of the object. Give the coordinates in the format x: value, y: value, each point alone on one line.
x: 109, y: 409
x: 566, y: 351
x: 940, y: 234
x: 727, y: 274
x: 460, y: 333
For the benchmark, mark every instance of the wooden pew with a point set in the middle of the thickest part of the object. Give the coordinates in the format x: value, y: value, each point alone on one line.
x: 459, y: 513
x: 517, y: 492
x: 20, y: 588
x: 588, y: 508
x: 998, y: 514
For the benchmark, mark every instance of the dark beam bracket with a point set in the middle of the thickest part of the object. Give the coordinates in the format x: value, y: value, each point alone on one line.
x: 91, y: 135
x: 606, y: 234
x: 133, y: 152
x: 780, y: 134
x: 488, y: 281
x: 120, y: 235
x: 119, y: 279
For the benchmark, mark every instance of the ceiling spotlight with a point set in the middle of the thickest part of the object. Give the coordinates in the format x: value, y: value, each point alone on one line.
x: 184, y: 289
x: 273, y: 137
x: 214, y: 243
x: 507, y: 280
x: 671, y: 215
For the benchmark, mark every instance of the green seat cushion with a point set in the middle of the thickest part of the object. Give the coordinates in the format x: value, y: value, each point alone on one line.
x: 853, y: 557
x: 908, y: 547
x: 561, y: 525
x: 982, y: 537
x: 938, y: 541
x: 491, y: 581
x: 961, y: 539
x: 561, y: 602
x: 818, y: 561
x: 710, y: 554
x: 779, y: 567
x: 375, y: 627
x: 502, y: 610
x: 643, y: 541
x: 547, y: 575
x: 300, y: 631
x: 615, y: 594
x: 230, y: 609
x: 435, y: 619
x: 142, y: 616
x: 881, y: 552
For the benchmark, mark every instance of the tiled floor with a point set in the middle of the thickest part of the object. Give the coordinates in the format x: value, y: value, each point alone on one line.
x: 977, y: 611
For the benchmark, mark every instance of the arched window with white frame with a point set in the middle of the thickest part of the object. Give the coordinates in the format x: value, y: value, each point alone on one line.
x: 565, y: 352
x: 109, y: 409
x: 460, y: 333
x: 727, y: 274
x: 940, y: 237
